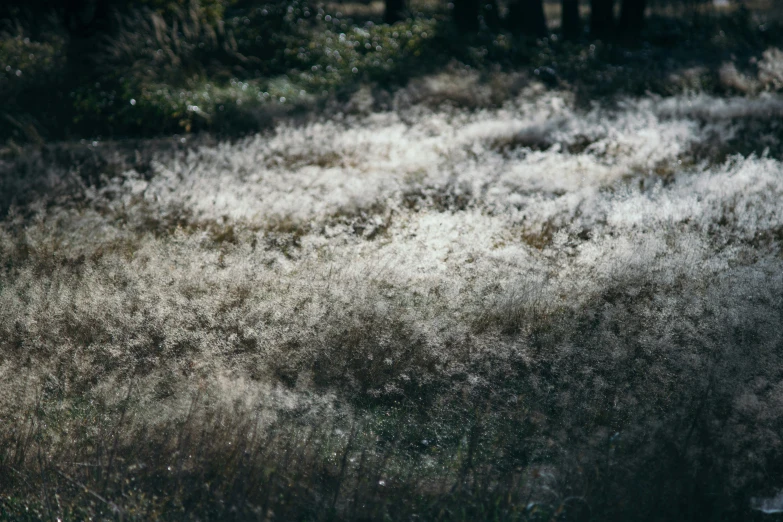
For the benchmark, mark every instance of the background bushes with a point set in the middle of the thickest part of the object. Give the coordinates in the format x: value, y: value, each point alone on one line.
x: 155, y: 67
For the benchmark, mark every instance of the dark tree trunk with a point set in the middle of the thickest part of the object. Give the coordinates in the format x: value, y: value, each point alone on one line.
x: 632, y: 18
x: 466, y: 15
x: 571, y: 23
x: 491, y: 13
x: 27, y: 10
x: 395, y: 9
x: 85, y: 21
x: 527, y: 17
x: 602, y: 19
x: 85, y: 18
x: 8, y: 10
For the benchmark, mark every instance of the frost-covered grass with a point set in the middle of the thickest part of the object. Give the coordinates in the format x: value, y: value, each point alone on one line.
x: 523, y: 312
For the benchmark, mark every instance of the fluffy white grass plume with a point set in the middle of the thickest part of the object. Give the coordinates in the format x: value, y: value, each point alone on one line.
x: 426, y: 252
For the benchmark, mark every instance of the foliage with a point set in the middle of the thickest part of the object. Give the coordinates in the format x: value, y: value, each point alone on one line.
x: 209, y: 11
x: 233, y: 67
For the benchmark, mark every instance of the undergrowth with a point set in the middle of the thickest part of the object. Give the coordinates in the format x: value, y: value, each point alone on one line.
x: 237, y: 67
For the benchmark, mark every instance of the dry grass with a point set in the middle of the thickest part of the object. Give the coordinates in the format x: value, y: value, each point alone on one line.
x: 486, y: 302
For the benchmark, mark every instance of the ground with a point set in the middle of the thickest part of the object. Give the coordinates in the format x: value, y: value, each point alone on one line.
x: 470, y: 297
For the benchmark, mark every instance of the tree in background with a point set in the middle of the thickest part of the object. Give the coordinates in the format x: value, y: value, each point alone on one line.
x: 26, y: 10
x: 602, y: 19
x: 83, y: 18
x: 571, y: 23
x: 466, y: 15
x: 524, y: 16
x: 85, y: 21
x: 632, y: 18
x: 79, y: 17
x: 393, y: 11
x: 491, y: 14
x: 527, y: 17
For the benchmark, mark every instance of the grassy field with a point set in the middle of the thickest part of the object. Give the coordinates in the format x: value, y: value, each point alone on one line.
x: 490, y: 290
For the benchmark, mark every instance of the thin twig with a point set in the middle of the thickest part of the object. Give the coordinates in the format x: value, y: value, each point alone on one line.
x: 114, y: 507
x: 116, y: 437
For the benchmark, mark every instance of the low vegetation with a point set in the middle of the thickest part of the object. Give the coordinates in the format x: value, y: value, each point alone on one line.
x: 471, y: 295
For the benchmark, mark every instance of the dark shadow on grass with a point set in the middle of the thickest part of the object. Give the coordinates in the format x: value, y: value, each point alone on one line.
x: 101, y: 97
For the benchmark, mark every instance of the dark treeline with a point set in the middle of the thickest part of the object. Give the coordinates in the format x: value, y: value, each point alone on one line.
x: 69, y: 67
x: 79, y: 16
x: 525, y: 17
